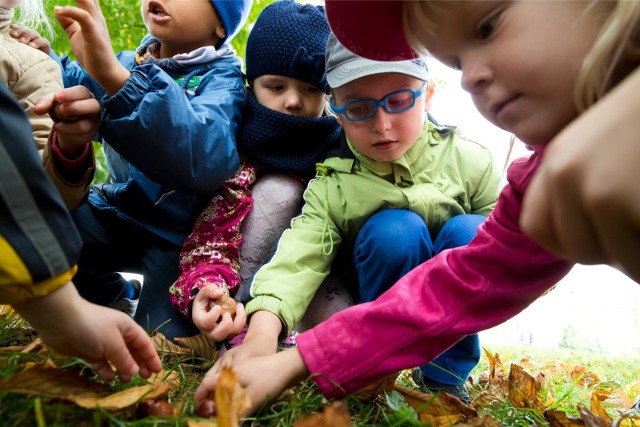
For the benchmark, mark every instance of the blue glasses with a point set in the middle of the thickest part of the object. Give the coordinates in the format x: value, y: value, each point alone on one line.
x: 393, y: 103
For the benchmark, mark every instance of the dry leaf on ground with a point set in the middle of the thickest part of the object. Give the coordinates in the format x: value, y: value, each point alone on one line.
x: 440, y: 410
x: 336, y: 414
x: 376, y: 389
x: 231, y: 399
x: 524, y: 390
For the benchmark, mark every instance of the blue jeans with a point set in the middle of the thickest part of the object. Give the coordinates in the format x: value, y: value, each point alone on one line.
x: 111, y: 244
x: 393, y: 242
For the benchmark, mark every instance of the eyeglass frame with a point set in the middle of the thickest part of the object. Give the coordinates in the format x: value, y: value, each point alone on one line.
x: 376, y: 103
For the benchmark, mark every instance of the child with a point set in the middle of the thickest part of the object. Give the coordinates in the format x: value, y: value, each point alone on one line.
x: 400, y: 190
x: 39, y: 247
x: 29, y: 73
x: 170, y: 112
x: 285, y: 131
x: 524, y: 64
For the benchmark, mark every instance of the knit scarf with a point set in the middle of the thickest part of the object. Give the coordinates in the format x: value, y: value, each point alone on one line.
x: 284, y: 143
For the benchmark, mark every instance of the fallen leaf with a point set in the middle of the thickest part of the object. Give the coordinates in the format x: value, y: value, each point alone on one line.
x: 376, y: 389
x: 202, y: 346
x: 593, y: 420
x: 485, y: 420
x: 335, y: 414
x: 231, y: 399
x: 524, y: 390
x: 584, y: 377
x: 439, y: 410
x: 202, y: 423
x: 37, y: 346
x: 560, y: 419
x: 122, y: 399
x: 171, y: 378
x: 598, y: 409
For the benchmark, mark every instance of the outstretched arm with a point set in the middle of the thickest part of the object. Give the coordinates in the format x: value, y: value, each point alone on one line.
x: 583, y: 203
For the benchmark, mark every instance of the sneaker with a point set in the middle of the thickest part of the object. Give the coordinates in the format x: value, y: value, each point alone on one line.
x: 288, y: 342
x: 432, y: 387
x: 126, y: 305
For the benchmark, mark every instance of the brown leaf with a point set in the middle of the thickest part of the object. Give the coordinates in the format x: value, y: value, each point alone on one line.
x: 485, y: 420
x: 524, y: 390
x: 592, y: 420
x: 597, y: 408
x: 202, y: 346
x: 438, y: 410
x: 49, y: 381
x: 560, y: 419
x: 584, y: 377
x: 45, y: 380
x: 37, y: 346
x: 124, y: 398
x: 231, y: 398
x: 376, y: 389
x: 171, y: 378
x: 335, y: 414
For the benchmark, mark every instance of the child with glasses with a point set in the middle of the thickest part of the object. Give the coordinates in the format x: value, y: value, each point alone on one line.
x: 397, y: 191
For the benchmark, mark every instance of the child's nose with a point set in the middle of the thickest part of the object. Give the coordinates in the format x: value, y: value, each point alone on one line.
x: 476, y: 75
x: 292, y: 101
x: 381, y: 120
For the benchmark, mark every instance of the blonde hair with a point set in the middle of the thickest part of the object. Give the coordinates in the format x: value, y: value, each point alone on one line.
x: 32, y: 14
x: 615, y: 52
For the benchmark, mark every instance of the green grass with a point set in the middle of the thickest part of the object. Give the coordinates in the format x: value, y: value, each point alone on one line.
x: 389, y: 409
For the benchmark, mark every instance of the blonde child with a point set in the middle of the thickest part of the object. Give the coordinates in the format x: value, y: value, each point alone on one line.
x: 29, y: 73
x: 525, y: 65
x: 399, y: 190
x: 285, y: 131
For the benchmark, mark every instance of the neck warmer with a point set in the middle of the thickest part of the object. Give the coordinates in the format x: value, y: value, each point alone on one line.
x: 284, y: 143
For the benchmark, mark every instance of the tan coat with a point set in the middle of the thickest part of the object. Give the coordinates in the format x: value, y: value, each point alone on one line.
x: 29, y: 74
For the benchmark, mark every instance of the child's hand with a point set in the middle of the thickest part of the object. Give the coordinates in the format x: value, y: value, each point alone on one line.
x: 76, y: 114
x: 210, y: 319
x: 30, y: 37
x: 71, y: 325
x: 89, y: 38
x: 265, y: 377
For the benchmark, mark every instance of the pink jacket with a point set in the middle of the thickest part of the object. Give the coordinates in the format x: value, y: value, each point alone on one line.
x: 459, y: 292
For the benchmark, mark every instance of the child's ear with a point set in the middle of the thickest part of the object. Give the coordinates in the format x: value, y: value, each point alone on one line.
x: 428, y: 95
x: 220, y: 32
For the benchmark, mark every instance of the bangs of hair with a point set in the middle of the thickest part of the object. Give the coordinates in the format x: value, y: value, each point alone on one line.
x: 32, y: 14
x: 417, y: 19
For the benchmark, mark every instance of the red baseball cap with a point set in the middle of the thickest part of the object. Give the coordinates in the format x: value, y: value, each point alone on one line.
x: 370, y: 28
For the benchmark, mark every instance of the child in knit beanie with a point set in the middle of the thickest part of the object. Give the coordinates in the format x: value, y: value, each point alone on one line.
x: 285, y: 131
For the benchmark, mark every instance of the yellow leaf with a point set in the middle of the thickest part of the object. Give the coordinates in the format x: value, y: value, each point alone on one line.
x: 231, y: 399
x: 122, y: 399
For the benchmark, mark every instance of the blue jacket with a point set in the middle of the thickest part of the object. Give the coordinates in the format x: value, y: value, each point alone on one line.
x: 168, y: 149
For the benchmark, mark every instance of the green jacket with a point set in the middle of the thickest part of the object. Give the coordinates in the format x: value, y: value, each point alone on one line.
x: 442, y: 175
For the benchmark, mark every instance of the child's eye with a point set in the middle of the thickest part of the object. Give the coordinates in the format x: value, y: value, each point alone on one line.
x: 486, y: 28
x: 276, y: 88
x: 313, y: 89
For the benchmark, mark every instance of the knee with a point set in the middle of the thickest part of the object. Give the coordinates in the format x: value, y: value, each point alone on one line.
x: 392, y: 233
x: 459, y: 230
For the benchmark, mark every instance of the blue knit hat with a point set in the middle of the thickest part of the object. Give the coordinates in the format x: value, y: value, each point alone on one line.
x: 289, y: 39
x: 233, y: 14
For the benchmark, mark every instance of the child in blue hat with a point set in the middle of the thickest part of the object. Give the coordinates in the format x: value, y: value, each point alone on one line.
x: 169, y: 116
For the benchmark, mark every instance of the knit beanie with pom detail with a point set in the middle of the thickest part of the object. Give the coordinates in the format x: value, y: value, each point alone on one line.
x: 289, y: 39
x: 233, y: 14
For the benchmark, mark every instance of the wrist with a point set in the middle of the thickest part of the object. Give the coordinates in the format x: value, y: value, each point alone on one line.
x: 54, y: 310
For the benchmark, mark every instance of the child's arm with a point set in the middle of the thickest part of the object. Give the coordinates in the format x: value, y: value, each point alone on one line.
x: 68, y: 157
x: 91, y: 44
x: 100, y: 335
x: 583, y: 203
x: 264, y: 377
x: 209, y: 258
